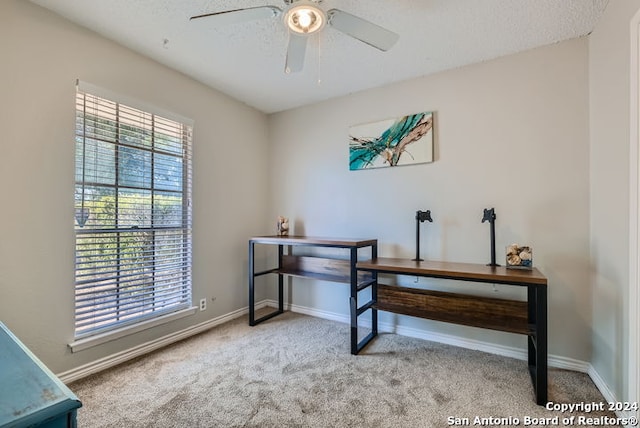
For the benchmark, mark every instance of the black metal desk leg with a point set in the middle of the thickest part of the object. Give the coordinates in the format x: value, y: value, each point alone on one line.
x: 541, y: 348
x: 252, y: 297
x: 252, y: 283
x: 531, y: 319
x: 537, y: 341
x: 353, y: 301
x: 374, y: 292
x: 354, y: 324
x: 280, y: 281
x: 357, y: 346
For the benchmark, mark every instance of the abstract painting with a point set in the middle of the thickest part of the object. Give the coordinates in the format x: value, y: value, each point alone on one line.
x: 393, y: 142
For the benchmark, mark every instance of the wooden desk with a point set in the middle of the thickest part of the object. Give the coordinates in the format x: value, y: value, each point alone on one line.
x: 322, y: 268
x: 512, y: 316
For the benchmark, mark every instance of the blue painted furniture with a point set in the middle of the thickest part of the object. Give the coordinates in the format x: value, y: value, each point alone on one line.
x: 30, y: 394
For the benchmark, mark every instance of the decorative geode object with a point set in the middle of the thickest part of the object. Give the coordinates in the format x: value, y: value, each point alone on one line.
x: 519, y: 257
x: 283, y: 226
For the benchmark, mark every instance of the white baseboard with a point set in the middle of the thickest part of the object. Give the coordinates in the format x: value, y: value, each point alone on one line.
x: 332, y: 316
x: 123, y: 356
x: 606, y: 392
x: 556, y: 361
x: 145, y: 348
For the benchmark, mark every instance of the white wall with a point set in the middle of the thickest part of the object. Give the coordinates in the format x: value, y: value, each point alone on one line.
x: 42, y: 55
x: 609, y: 68
x: 511, y: 133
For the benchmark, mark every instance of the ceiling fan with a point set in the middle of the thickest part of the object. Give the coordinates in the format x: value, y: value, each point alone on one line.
x: 304, y: 18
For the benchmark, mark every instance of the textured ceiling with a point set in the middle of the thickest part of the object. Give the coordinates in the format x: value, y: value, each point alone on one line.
x: 247, y: 60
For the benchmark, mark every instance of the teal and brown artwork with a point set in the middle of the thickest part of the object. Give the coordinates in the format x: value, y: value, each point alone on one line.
x: 393, y: 142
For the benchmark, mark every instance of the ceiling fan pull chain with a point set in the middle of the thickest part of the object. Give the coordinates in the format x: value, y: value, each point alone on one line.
x: 319, y: 76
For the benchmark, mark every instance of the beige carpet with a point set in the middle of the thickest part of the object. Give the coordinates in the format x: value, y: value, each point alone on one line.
x: 296, y: 371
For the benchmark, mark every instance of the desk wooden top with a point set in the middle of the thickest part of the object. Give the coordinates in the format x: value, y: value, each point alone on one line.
x: 310, y: 240
x: 450, y: 270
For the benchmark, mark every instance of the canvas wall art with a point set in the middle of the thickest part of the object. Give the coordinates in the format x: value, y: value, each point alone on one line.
x: 393, y: 142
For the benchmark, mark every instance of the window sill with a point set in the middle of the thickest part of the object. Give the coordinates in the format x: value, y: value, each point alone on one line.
x: 99, y: 339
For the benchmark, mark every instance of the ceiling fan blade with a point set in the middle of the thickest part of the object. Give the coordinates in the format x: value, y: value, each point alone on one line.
x: 241, y: 15
x: 295, y: 53
x: 361, y: 29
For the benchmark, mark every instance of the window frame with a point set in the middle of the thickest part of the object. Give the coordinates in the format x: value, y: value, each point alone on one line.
x: 183, y: 305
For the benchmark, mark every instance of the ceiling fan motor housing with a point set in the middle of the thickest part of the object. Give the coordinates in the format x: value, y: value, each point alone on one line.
x: 304, y: 17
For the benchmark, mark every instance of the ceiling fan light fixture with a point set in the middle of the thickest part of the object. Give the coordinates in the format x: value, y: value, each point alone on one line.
x: 305, y: 19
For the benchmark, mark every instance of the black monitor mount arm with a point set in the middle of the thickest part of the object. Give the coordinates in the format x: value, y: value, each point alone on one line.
x: 490, y: 216
x: 421, y: 216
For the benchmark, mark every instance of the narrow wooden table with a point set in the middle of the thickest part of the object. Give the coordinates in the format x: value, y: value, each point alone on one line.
x: 324, y: 268
x: 529, y: 318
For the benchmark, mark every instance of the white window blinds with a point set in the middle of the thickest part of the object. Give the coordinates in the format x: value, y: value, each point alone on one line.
x: 132, y: 214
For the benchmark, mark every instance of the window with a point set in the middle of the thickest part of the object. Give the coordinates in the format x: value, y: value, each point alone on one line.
x: 132, y: 214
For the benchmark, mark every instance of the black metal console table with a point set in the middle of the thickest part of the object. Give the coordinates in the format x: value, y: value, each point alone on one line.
x: 321, y: 268
x: 529, y: 318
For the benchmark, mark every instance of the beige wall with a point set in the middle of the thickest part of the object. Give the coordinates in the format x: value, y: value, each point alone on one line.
x: 609, y: 68
x: 542, y: 136
x: 42, y: 56
x: 512, y: 133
